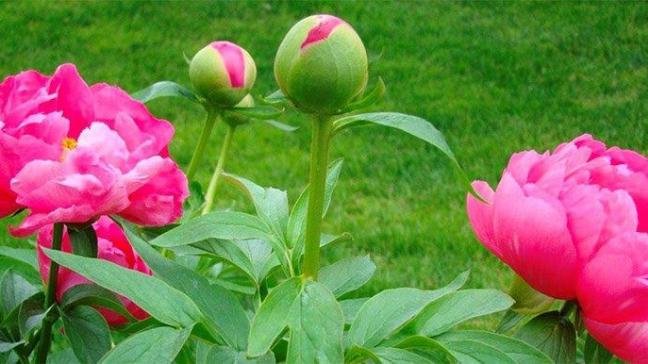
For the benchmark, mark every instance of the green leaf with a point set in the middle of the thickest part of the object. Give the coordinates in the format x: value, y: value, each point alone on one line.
x: 223, y: 313
x: 258, y: 112
x: 399, y: 356
x: 84, y: 241
x: 8, y: 346
x: 427, y: 348
x: 88, y: 333
x: 595, y: 353
x: 15, y: 322
x: 225, y: 225
x: 96, y: 296
x: 517, y: 350
x: 280, y: 125
x: 14, y: 289
x: 475, y: 352
x: 65, y: 356
x: 159, y: 346
x: 165, y: 89
x: 275, y: 98
x: 18, y: 266
x: 273, y: 316
x: 372, y: 97
x: 389, y: 310
x: 227, y: 355
x: 413, y: 125
x: 351, y: 307
x: 316, y: 327
x: 528, y: 301
x: 553, y: 334
x: 161, y: 301
x: 31, y: 315
x: 271, y: 204
x: 458, y: 307
x: 27, y: 256
x: 253, y: 257
x: 347, y: 275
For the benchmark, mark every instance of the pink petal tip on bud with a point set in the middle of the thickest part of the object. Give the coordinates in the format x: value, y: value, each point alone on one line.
x: 234, y: 61
x: 325, y: 26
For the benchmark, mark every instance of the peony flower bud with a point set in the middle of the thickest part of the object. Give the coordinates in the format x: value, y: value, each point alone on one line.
x: 223, y: 73
x: 321, y: 64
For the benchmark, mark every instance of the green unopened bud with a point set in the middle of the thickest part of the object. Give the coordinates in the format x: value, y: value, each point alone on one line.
x: 222, y: 73
x: 234, y: 118
x: 321, y: 64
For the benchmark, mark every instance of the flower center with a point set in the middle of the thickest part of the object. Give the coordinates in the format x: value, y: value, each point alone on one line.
x: 68, y: 144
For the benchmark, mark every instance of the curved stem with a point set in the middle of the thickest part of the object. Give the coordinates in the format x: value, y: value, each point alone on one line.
x: 45, y: 340
x: 210, y: 197
x: 322, y: 128
x: 210, y: 121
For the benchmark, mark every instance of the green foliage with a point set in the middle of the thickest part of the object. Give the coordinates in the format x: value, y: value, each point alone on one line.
x: 88, y: 333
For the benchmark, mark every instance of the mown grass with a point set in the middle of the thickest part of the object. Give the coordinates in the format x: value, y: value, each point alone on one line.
x: 494, y: 77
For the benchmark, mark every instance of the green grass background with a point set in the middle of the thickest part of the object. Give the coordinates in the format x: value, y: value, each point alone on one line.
x: 495, y: 77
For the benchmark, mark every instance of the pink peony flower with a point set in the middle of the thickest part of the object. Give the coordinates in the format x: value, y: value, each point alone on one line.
x: 112, y: 246
x: 548, y: 214
x: 628, y: 341
x: 93, y: 151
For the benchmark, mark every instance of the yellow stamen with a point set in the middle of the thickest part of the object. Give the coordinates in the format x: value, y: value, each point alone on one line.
x: 69, y: 143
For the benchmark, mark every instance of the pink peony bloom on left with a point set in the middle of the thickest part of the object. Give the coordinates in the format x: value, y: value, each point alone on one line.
x: 71, y: 153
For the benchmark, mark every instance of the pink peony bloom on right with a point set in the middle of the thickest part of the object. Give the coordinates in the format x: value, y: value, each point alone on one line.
x: 573, y: 223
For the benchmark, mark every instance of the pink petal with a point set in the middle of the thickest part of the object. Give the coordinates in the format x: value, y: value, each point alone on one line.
x: 612, y: 286
x: 480, y: 215
x: 234, y: 61
x: 628, y: 341
x: 531, y: 232
x: 74, y: 98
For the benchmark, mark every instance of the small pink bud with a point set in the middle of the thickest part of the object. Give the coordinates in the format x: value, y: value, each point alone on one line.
x: 321, y: 64
x: 223, y: 73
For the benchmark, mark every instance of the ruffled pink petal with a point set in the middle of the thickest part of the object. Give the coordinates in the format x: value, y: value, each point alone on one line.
x: 628, y: 341
x: 20, y: 95
x: 157, y: 190
x: 106, y: 144
x: 132, y: 120
x: 613, y: 285
x: 531, y: 232
x: 74, y: 98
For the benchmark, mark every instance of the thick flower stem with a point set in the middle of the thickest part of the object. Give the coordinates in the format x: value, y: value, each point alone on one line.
x: 212, y: 117
x: 210, y: 197
x: 45, y: 340
x: 322, y: 128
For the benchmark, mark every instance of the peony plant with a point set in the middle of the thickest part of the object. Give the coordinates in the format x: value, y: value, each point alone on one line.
x: 133, y: 270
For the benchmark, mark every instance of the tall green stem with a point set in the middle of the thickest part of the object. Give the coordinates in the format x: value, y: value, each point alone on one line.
x: 317, y: 180
x: 210, y: 121
x: 45, y: 340
x: 210, y: 197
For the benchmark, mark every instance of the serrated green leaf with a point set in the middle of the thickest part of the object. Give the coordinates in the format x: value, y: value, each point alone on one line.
x: 458, y: 307
x: 225, y: 225
x: 553, y: 334
x: 160, y: 300
x: 84, y: 241
x: 165, y: 89
x: 160, y: 345
x: 517, y: 350
x: 223, y: 314
x: 347, y: 275
x: 389, y: 310
x: 88, y: 333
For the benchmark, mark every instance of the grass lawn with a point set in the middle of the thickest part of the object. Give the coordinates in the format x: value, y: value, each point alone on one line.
x: 495, y: 78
